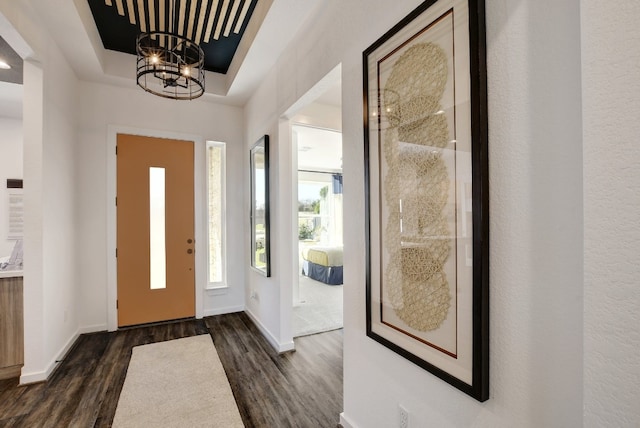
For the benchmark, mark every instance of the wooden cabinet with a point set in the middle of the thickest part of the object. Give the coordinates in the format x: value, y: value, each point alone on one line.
x: 11, y: 327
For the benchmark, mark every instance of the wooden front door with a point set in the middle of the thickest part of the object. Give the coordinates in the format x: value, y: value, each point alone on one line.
x: 155, y: 229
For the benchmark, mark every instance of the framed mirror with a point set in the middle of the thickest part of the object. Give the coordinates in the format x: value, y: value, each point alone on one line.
x: 259, y: 162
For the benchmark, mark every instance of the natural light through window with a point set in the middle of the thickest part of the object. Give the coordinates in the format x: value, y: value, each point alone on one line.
x: 157, y: 244
x: 216, y: 203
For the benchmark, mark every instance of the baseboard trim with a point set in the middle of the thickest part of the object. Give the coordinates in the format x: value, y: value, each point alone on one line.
x: 33, y: 377
x: 41, y: 376
x: 346, y: 423
x: 223, y: 311
x: 286, y: 347
x: 279, y: 347
x: 93, y: 328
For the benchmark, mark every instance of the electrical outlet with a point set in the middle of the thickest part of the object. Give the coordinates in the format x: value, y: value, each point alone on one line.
x: 403, y: 417
x: 254, y: 295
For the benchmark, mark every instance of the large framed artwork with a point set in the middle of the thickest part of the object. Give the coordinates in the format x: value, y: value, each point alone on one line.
x: 426, y: 167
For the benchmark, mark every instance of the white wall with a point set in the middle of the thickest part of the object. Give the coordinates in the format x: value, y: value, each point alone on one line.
x: 102, y: 106
x: 10, y: 167
x: 50, y: 295
x: 263, y: 296
x: 535, y: 161
x: 269, y: 300
x: 538, y: 320
x: 320, y: 115
x: 60, y: 292
x: 611, y: 107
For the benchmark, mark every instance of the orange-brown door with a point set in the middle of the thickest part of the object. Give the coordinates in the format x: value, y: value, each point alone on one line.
x: 155, y: 222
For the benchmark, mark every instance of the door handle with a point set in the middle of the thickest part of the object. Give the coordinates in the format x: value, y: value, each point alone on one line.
x: 189, y: 251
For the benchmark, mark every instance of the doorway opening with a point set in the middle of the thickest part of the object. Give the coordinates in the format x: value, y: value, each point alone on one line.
x: 317, y: 137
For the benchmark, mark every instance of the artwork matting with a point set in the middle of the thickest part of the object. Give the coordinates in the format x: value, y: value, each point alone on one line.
x: 426, y: 177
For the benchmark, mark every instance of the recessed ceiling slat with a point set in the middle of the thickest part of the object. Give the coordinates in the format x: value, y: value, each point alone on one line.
x: 183, y: 6
x: 141, y: 16
x: 203, y: 18
x: 192, y: 18
x: 243, y: 14
x: 171, y: 25
x: 161, y: 16
x: 171, y: 11
x: 120, y: 7
x: 108, y: 2
x: 232, y: 15
x: 131, y: 11
x: 211, y: 19
x: 152, y: 15
x: 161, y: 19
x: 223, y: 13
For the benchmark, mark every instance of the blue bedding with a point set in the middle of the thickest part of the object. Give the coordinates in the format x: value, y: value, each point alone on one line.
x: 331, y: 275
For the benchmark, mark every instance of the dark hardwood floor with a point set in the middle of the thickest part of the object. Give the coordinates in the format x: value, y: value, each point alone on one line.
x: 296, y: 389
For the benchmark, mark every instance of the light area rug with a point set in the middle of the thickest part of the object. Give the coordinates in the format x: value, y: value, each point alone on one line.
x: 178, y: 383
x: 320, y: 308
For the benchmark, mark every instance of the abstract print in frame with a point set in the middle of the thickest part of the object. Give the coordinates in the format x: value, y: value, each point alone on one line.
x: 426, y: 168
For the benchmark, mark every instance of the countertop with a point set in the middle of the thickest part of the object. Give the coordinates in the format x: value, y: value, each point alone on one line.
x: 10, y: 273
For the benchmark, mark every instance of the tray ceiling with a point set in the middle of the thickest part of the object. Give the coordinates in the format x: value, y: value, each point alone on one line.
x: 216, y: 25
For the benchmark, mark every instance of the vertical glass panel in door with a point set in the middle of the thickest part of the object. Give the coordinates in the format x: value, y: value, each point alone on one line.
x: 157, y: 242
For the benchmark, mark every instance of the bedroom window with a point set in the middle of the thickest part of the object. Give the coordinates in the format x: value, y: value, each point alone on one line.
x: 216, y: 164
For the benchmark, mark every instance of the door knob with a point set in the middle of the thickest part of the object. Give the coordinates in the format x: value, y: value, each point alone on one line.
x: 189, y: 251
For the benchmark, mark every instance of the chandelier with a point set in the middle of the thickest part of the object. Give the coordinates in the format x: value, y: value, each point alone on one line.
x: 170, y: 65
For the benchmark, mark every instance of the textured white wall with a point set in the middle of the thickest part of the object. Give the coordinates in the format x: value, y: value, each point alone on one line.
x: 536, y: 219
x: 261, y: 117
x: 59, y: 198
x: 10, y: 167
x: 611, y: 108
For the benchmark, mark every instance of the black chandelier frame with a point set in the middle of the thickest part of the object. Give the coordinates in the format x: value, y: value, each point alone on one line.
x: 170, y: 65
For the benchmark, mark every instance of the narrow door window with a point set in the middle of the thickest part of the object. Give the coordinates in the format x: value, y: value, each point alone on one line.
x: 216, y: 213
x: 157, y: 244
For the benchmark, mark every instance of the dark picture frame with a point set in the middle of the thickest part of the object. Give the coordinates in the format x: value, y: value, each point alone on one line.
x: 259, y: 216
x: 427, y: 193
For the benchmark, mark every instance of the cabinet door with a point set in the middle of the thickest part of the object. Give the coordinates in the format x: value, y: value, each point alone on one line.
x: 11, y: 327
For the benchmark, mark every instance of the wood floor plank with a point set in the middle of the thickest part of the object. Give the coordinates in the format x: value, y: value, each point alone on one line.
x: 98, y: 383
x: 285, y: 387
x: 295, y: 389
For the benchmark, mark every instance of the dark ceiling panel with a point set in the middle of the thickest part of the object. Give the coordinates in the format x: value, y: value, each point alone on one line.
x: 217, y: 25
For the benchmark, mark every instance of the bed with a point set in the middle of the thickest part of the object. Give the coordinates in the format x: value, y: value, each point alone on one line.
x: 323, y: 264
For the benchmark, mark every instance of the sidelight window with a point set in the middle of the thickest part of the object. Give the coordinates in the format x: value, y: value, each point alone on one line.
x: 216, y: 164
